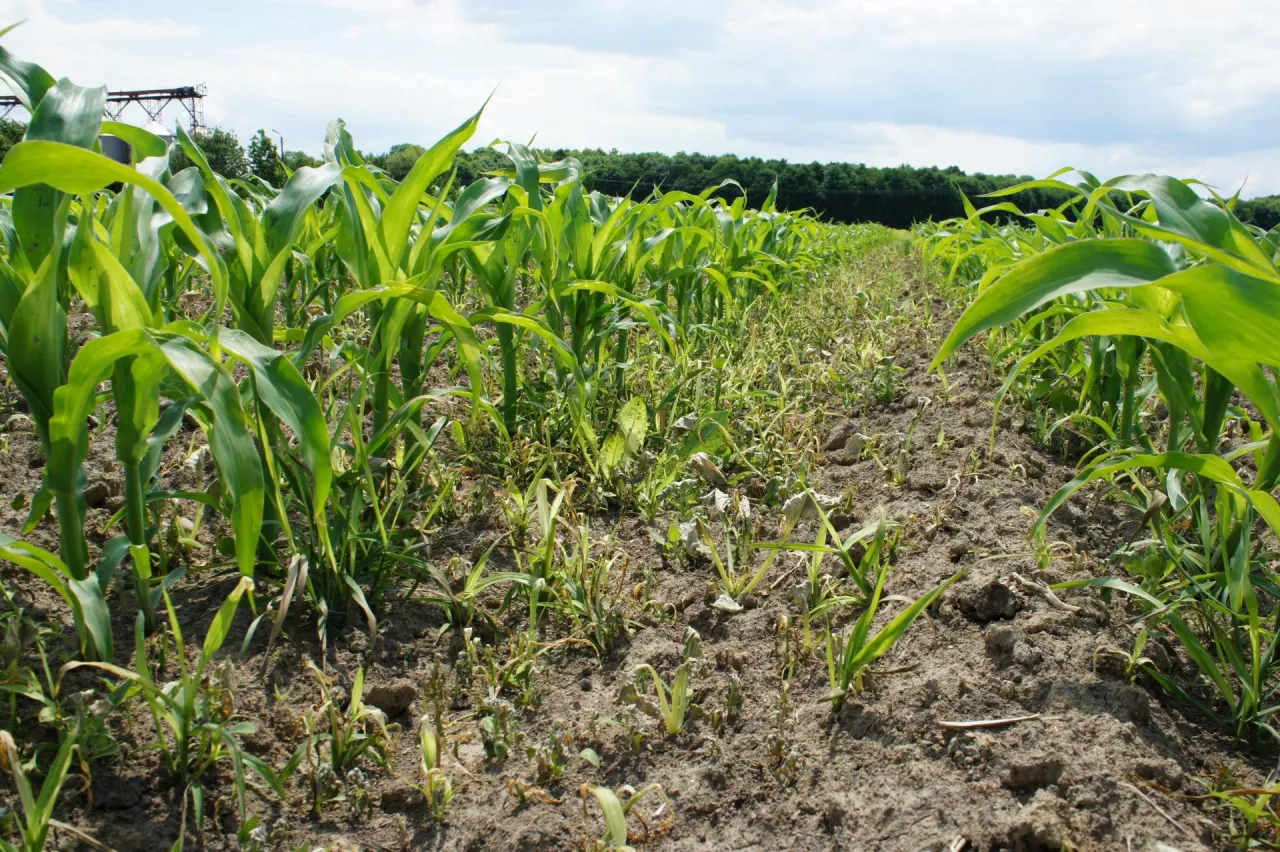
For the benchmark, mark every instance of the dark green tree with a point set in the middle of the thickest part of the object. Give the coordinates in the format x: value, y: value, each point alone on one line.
x: 297, y: 159
x: 264, y: 159
x: 220, y: 147
x: 400, y: 159
x: 1263, y: 211
x: 11, y: 133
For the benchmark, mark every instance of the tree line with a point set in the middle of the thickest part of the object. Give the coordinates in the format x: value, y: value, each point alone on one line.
x: 897, y: 196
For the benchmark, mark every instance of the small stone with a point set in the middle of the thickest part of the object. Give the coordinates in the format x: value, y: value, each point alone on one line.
x: 843, y: 457
x: 1033, y: 773
x: 116, y: 794
x: 1001, y: 638
x: 724, y: 603
x: 1129, y: 703
x: 1066, y: 513
x: 96, y: 494
x: 1027, y: 655
x: 932, y: 689
x: 1158, y: 656
x: 925, y: 483
x: 400, y: 796
x: 839, y: 435
x: 833, y: 815
x: 392, y: 698
x: 715, y: 777
x: 841, y: 520
x: 357, y: 641
x: 987, y: 602
x: 1165, y: 772
x: 959, y: 548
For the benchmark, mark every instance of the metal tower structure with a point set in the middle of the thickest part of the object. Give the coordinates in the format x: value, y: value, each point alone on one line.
x: 152, y: 101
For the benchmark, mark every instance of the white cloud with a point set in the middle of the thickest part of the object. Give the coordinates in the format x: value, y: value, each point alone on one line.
x: 992, y: 85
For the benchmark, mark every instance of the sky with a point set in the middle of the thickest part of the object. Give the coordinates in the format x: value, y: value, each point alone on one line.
x: 1182, y: 87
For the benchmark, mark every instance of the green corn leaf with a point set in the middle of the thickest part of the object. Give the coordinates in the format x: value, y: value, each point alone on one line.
x: 283, y: 216
x: 144, y: 143
x: 286, y: 393
x: 92, y: 605
x: 615, y: 819
x: 82, y: 172
x: 437, y: 305
x: 36, y: 350
x: 1112, y: 583
x: 221, y: 624
x: 1237, y: 316
x: 1072, y: 268
x: 1244, y: 374
x: 1200, y: 655
x: 85, y: 598
x: 67, y: 115
x: 230, y: 443
x: 403, y: 206
x: 1210, y: 467
x: 29, y: 81
x: 1181, y: 210
x: 105, y: 285
x: 42, y: 815
x: 888, y: 635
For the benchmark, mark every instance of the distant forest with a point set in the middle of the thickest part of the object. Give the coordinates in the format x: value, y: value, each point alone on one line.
x: 896, y: 196
x: 841, y: 192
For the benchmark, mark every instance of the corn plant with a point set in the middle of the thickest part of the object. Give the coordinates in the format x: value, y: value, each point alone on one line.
x: 55, y: 177
x: 734, y: 567
x: 1156, y: 281
x: 675, y: 700
x: 35, y: 811
x: 192, y: 715
x: 337, y: 740
x: 436, y: 788
x: 849, y: 655
x: 589, y: 590
x: 615, y: 811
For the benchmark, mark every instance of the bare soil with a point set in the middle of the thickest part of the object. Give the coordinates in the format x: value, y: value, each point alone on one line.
x: 1098, y: 762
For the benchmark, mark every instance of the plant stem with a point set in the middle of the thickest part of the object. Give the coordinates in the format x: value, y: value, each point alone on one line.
x: 136, y: 524
x: 506, y: 344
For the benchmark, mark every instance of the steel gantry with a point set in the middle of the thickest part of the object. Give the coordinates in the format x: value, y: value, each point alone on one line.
x: 152, y: 101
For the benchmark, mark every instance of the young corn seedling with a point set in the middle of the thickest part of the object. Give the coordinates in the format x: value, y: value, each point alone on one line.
x: 436, y: 788
x: 675, y: 700
x: 193, y: 715
x: 35, y: 812
x: 616, y: 810
x: 848, y: 656
x: 457, y: 598
x: 1253, y: 813
x: 358, y: 731
x: 733, y: 567
x: 591, y: 592
x: 902, y: 465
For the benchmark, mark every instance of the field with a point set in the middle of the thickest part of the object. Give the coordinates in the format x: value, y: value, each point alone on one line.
x: 365, y: 514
